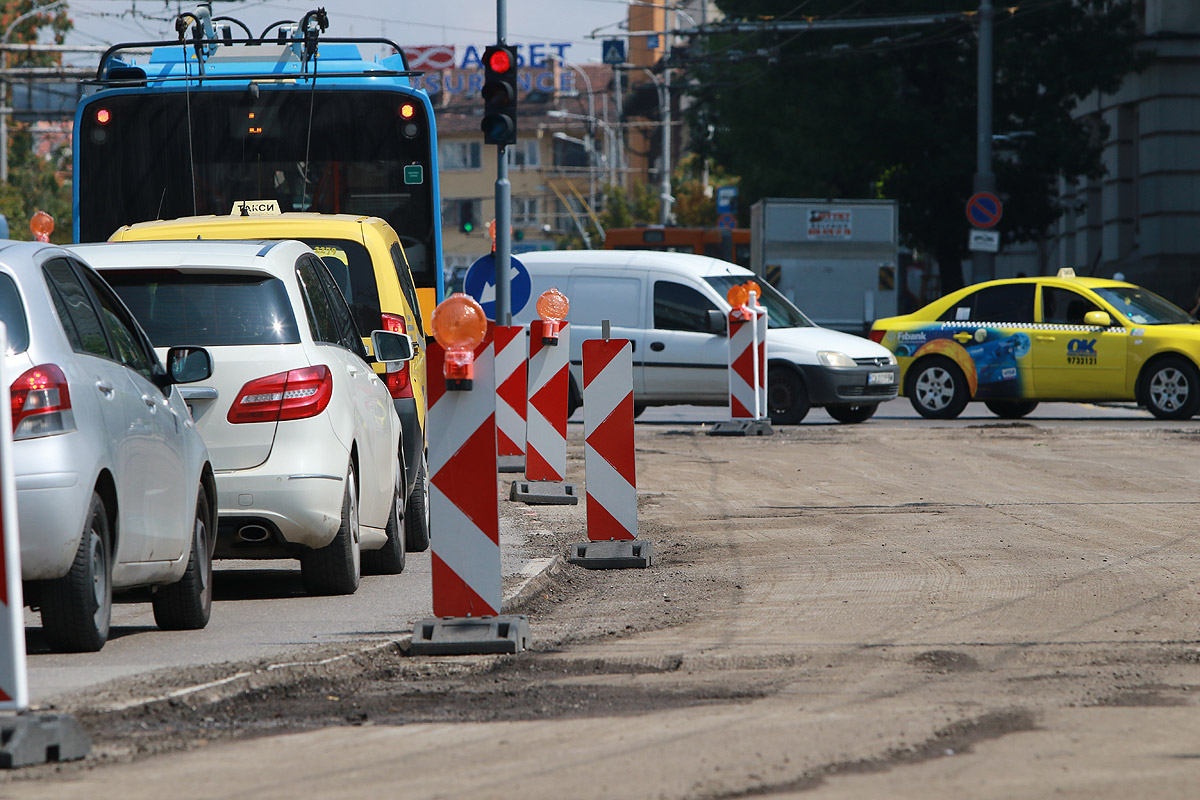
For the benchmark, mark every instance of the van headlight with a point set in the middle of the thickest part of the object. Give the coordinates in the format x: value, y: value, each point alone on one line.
x: 832, y: 358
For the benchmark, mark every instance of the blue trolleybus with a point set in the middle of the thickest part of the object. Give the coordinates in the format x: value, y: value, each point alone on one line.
x: 222, y: 117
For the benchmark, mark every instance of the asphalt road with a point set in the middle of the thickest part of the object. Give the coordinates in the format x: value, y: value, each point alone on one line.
x: 901, y: 609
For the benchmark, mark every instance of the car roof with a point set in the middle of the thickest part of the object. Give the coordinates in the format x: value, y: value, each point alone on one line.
x: 274, y: 256
x: 689, y: 263
x: 258, y: 226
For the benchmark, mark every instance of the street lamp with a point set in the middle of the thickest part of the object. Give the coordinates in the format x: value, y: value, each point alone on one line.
x: 555, y: 58
x: 609, y: 138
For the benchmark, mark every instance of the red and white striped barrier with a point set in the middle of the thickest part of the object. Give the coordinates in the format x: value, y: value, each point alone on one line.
x: 743, y: 363
x: 463, y: 505
x: 761, y: 329
x: 511, y: 393
x: 608, y: 456
x: 546, y: 422
x: 14, y: 681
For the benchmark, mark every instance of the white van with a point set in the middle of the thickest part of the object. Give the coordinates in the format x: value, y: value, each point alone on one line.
x: 672, y: 307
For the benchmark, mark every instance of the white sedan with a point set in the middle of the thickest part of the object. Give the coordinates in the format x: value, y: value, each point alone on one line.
x: 303, y: 435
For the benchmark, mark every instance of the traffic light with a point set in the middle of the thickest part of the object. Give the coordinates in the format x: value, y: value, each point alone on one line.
x: 499, y: 95
x: 466, y: 216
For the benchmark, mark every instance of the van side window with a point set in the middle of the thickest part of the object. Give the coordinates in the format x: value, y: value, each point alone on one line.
x: 680, y: 308
x: 406, y: 286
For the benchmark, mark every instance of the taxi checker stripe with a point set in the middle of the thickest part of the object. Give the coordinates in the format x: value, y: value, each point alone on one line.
x: 608, y: 439
x: 546, y: 420
x: 463, y: 504
x: 510, y: 390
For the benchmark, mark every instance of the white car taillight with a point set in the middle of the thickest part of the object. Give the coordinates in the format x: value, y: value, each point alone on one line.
x: 41, y: 403
x: 295, y: 394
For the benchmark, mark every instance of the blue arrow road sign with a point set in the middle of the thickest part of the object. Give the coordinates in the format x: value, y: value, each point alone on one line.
x: 612, y: 51
x: 480, y: 283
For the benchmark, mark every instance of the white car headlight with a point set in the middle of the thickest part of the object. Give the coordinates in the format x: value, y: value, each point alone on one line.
x: 892, y: 359
x: 832, y: 358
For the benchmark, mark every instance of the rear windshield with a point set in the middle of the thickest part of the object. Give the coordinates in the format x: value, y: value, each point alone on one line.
x: 212, y: 309
x: 350, y: 264
x: 12, y: 314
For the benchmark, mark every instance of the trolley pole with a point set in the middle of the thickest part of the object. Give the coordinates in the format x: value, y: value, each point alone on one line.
x: 983, y: 265
x: 503, y: 202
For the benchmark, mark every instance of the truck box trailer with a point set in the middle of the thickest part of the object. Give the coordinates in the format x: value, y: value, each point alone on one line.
x: 835, y: 259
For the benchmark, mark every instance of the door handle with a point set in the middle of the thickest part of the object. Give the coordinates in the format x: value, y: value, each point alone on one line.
x: 963, y: 337
x: 1045, y: 338
x: 105, y: 387
x: 657, y: 347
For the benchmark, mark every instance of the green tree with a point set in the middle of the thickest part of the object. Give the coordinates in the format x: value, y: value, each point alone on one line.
x: 38, y: 167
x: 891, y: 112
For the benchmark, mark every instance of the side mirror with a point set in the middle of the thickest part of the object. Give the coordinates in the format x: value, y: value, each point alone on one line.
x: 717, y: 322
x: 188, y: 364
x: 1098, y: 318
x: 391, y: 347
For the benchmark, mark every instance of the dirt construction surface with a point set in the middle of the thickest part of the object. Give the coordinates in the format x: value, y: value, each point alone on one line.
x: 898, y: 610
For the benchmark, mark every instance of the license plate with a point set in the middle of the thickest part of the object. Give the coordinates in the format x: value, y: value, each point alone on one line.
x: 879, y: 378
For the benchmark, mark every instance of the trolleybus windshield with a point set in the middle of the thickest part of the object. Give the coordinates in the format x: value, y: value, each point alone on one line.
x: 164, y: 154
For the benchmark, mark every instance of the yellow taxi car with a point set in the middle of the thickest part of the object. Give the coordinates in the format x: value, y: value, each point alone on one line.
x: 367, y: 260
x: 1012, y: 343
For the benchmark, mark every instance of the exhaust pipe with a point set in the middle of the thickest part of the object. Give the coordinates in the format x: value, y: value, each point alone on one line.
x: 253, y: 533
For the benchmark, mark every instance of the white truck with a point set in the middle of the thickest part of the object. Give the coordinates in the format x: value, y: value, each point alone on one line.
x: 837, y: 259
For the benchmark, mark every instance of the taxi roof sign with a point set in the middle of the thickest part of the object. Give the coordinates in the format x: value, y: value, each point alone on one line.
x: 255, y: 208
x: 1066, y: 273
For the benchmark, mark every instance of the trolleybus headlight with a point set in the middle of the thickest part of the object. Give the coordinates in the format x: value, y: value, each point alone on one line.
x: 410, y: 130
x: 103, y: 115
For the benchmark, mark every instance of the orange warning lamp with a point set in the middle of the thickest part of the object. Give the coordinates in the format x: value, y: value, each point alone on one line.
x: 752, y: 286
x: 552, y: 307
x: 42, y: 225
x: 459, y: 325
x: 738, y: 296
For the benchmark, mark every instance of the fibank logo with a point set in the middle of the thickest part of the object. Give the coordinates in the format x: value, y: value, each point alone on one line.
x: 1081, y: 352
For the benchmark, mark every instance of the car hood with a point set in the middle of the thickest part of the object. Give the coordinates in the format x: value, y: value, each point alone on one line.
x: 807, y: 341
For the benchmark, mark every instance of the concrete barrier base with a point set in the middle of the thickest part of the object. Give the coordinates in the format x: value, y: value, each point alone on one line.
x: 614, y: 554
x: 29, y: 738
x: 457, y: 636
x: 742, y: 427
x: 544, y: 493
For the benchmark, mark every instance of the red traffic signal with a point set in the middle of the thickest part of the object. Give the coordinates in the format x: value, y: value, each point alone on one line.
x: 499, y: 93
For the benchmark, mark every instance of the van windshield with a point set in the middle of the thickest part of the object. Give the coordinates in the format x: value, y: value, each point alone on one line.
x: 781, y: 313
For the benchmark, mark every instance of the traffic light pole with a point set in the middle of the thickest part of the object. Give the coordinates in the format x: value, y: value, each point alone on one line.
x: 503, y: 202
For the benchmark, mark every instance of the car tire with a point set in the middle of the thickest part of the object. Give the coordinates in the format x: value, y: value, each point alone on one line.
x: 187, y: 604
x: 336, y: 567
x: 77, y: 608
x: 389, y: 559
x: 787, y: 397
x: 1172, y: 388
x: 638, y: 408
x: 850, y: 415
x: 416, y: 511
x: 1011, y: 409
x: 937, y: 388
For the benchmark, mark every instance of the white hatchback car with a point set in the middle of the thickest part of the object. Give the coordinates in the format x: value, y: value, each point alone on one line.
x: 303, y: 435
x: 114, y: 485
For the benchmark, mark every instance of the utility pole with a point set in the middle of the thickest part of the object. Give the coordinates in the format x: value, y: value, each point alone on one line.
x: 983, y: 264
x: 664, y: 214
x: 503, y: 202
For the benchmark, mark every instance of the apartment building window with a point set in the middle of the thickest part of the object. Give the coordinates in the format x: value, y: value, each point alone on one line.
x: 569, y: 154
x: 456, y: 211
x: 524, y: 154
x: 525, y: 211
x: 460, y: 155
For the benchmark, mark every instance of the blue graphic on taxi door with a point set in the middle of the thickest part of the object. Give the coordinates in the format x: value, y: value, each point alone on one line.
x: 993, y: 363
